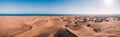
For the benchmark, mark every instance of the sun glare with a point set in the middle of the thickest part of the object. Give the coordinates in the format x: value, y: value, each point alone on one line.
x: 109, y: 2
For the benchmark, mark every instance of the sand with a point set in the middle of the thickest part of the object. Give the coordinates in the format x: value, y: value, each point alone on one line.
x: 59, y: 26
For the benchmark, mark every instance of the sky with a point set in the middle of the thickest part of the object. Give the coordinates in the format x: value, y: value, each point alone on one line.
x: 59, y: 6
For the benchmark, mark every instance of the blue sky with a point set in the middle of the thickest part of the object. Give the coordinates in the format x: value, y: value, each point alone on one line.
x: 59, y: 7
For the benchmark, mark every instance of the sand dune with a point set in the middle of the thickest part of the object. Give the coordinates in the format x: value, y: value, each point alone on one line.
x: 59, y: 26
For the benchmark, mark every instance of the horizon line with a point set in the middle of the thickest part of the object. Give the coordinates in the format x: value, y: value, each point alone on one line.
x: 58, y: 14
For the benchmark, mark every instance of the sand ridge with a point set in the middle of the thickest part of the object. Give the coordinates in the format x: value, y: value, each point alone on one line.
x: 48, y: 26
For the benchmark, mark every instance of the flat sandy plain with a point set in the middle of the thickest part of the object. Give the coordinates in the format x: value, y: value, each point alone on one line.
x: 59, y: 26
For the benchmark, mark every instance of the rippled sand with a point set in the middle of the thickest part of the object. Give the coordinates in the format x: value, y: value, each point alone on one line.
x: 59, y: 26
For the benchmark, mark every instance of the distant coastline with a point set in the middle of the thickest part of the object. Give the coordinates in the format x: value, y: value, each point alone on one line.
x: 59, y: 14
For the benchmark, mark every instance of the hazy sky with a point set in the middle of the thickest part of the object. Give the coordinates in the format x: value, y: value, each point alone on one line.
x: 60, y: 6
